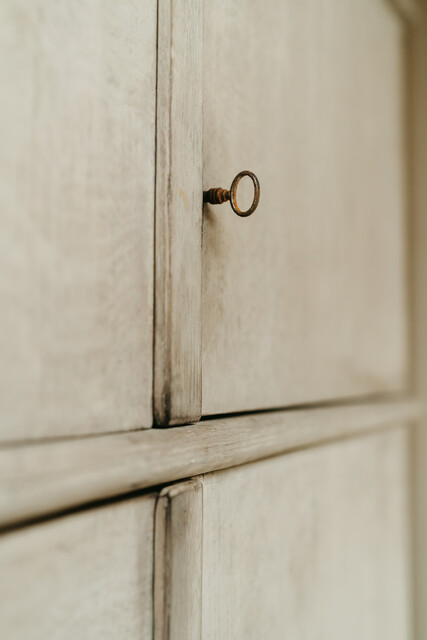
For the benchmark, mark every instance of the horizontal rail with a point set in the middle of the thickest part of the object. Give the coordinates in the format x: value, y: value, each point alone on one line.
x: 41, y: 479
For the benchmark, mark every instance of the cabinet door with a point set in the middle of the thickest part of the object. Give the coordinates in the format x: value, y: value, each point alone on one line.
x: 309, y: 545
x: 304, y: 300
x: 88, y: 576
x: 77, y: 124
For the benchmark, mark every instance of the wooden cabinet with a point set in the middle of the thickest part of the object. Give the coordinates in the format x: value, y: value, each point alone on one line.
x: 77, y: 123
x: 87, y: 575
x: 127, y: 303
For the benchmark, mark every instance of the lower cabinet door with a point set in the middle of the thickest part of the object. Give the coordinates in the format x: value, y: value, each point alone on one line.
x: 308, y: 546
x: 83, y: 577
x: 312, y: 545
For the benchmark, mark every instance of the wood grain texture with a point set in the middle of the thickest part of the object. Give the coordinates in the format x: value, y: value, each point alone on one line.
x: 88, y: 576
x: 177, y: 350
x: 311, y: 545
x: 305, y: 300
x: 76, y: 216
x: 178, y: 562
x: 42, y: 479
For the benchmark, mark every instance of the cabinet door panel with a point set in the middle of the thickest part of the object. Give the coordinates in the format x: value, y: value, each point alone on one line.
x: 310, y: 545
x: 303, y: 301
x: 83, y: 576
x: 76, y: 216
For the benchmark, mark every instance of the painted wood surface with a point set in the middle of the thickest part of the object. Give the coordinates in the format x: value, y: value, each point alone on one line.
x: 88, y: 575
x: 77, y: 124
x: 177, y: 352
x: 411, y: 10
x: 40, y: 479
x: 178, y: 562
x: 305, y: 300
x: 310, y: 545
x: 417, y: 64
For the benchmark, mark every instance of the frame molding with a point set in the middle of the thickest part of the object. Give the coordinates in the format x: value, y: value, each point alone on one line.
x: 37, y: 480
x: 178, y: 562
x: 177, y: 393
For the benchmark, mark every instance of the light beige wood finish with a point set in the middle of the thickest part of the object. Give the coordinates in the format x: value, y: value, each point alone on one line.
x: 88, y: 576
x: 76, y: 216
x: 417, y: 62
x: 41, y: 479
x: 305, y: 300
x: 311, y: 545
x: 410, y: 9
x: 178, y: 562
x: 177, y: 354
